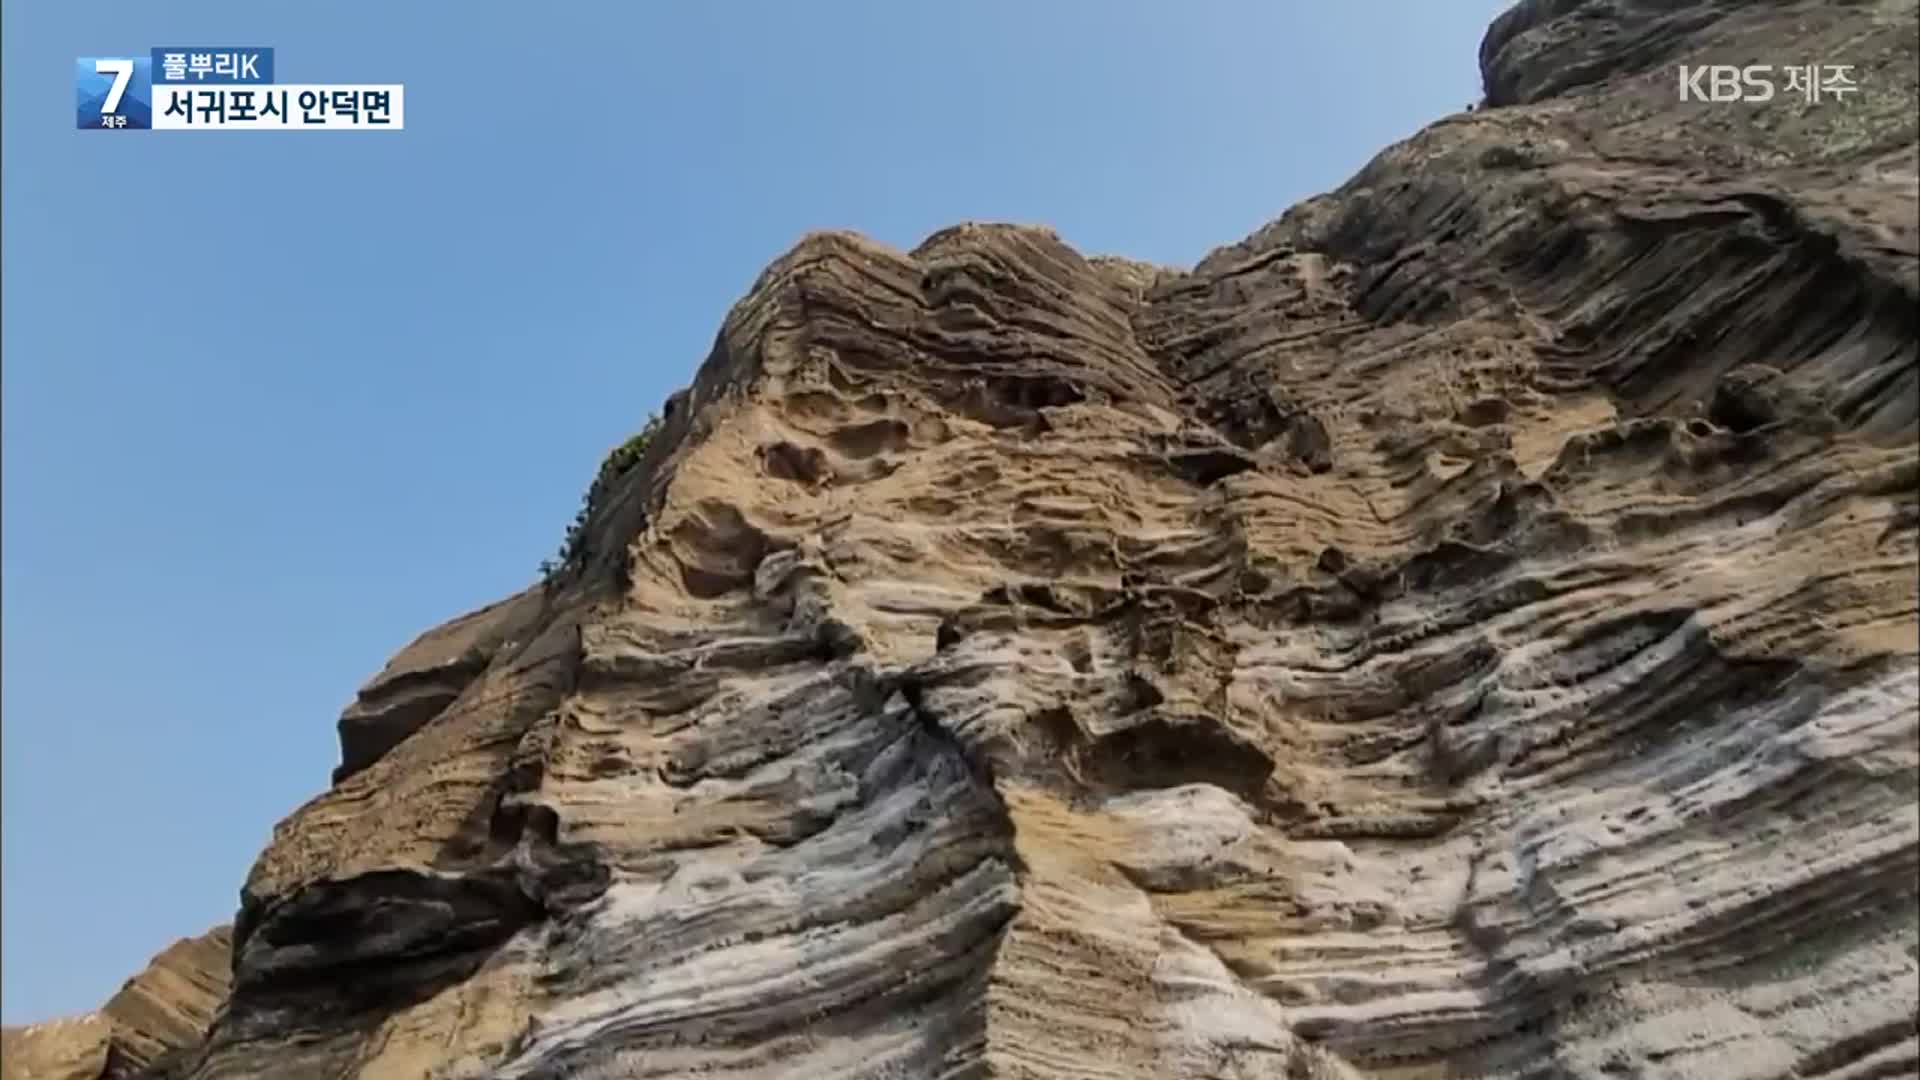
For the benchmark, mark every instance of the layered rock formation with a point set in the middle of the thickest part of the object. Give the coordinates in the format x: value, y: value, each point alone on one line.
x: 1467, y: 628
x: 156, y: 1020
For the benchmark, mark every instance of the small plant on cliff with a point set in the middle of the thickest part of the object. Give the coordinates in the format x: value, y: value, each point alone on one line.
x: 1506, y: 156
x: 616, y: 465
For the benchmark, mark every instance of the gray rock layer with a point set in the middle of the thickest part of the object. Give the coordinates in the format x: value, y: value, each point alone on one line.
x: 1467, y: 628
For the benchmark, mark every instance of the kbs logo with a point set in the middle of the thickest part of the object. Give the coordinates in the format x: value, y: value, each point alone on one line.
x: 1724, y: 82
x: 115, y: 92
x: 1755, y: 82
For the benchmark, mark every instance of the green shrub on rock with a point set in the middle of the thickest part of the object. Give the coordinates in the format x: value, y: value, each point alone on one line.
x: 616, y: 465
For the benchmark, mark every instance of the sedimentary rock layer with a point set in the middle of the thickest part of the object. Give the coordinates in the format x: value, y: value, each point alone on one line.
x: 158, y: 1018
x: 1467, y: 628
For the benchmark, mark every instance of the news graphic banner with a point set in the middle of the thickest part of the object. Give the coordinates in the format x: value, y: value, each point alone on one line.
x: 224, y: 89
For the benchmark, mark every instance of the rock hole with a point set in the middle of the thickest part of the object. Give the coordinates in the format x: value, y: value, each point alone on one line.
x: 866, y: 440
x: 1204, y: 468
x: 785, y: 461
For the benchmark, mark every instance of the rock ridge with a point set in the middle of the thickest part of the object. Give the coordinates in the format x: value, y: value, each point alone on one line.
x: 1468, y: 627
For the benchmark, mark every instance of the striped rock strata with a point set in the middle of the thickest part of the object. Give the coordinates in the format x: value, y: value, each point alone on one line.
x: 154, y: 1023
x: 1467, y: 628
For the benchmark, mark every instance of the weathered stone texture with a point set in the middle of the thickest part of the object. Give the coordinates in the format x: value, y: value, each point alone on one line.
x: 1467, y: 628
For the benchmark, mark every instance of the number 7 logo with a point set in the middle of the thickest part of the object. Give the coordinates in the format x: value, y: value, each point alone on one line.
x: 122, y: 72
x: 114, y: 92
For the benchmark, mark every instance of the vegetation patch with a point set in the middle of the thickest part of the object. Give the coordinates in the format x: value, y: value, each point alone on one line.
x: 618, y: 463
x: 1506, y: 156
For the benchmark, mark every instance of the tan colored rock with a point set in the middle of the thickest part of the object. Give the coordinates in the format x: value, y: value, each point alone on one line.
x: 158, y: 1018
x: 169, y: 1006
x: 73, y: 1048
x: 1467, y: 628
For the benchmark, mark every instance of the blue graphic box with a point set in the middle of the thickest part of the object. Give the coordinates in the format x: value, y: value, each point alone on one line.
x: 211, y: 65
x: 115, y: 93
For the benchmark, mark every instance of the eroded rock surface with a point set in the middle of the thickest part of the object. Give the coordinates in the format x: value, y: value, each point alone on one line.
x: 1467, y: 628
x: 153, y: 1024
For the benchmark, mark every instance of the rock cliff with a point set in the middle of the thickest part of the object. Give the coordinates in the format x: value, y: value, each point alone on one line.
x: 158, y: 1018
x: 1467, y: 628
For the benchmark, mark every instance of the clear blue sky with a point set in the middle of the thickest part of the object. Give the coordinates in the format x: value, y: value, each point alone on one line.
x: 276, y: 403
